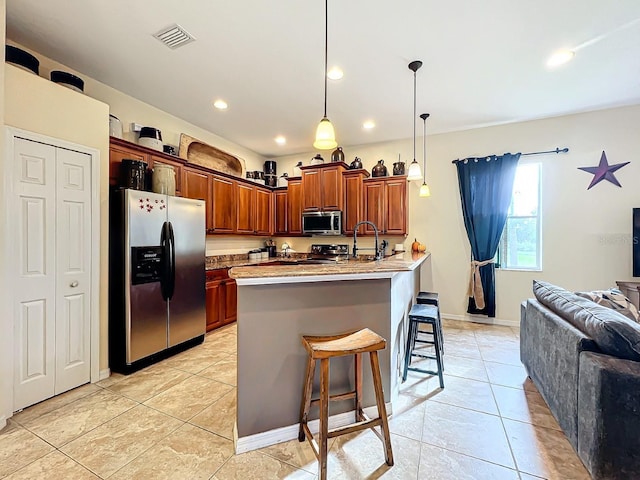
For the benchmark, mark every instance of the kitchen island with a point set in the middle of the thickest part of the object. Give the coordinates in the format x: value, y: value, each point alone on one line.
x: 277, y: 304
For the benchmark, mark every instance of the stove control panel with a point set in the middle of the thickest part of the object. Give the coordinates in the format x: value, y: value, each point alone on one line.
x: 330, y: 249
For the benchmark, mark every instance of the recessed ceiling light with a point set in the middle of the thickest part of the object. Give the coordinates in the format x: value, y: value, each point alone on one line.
x: 335, y: 73
x: 368, y: 125
x: 220, y: 104
x: 560, y: 57
x: 280, y: 140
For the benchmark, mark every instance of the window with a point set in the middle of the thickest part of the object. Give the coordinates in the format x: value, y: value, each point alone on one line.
x: 520, y: 243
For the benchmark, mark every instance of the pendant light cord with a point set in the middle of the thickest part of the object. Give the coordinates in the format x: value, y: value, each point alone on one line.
x: 414, y: 115
x: 424, y: 117
x: 326, y: 42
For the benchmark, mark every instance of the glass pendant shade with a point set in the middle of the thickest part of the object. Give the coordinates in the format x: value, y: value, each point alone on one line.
x: 325, y: 135
x: 414, y: 172
x: 424, y: 190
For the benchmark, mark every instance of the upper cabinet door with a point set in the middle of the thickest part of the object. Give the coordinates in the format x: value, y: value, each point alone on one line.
x: 196, y: 184
x: 353, y: 202
x: 294, y: 207
x: 396, y: 206
x: 246, y: 198
x: 332, y: 188
x: 263, y: 212
x: 224, y: 204
x: 374, y: 205
x: 311, y: 190
x: 280, y: 210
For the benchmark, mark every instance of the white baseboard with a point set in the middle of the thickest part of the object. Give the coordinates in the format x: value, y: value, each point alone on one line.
x: 481, y: 319
x: 106, y: 373
x: 290, y: 432
x: 3, y: 421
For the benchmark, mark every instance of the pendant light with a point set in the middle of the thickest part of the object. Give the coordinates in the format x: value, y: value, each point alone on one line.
x: 325, y: 134
x: 424, y: 188
x: 414, y: 168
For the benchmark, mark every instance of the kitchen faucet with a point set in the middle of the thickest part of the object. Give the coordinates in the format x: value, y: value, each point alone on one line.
x: 355, y: 239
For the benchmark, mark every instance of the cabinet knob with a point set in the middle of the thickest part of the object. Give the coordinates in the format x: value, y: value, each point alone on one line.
x: 73, y: 284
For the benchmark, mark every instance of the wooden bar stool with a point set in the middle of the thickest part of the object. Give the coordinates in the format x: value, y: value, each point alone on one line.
x: 324, y: 348
x: 431, y: 298
x: 421, y: 314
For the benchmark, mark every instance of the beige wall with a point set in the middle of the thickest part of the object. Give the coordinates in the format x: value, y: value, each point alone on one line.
x: 586, y: 234
x: 38, y: 105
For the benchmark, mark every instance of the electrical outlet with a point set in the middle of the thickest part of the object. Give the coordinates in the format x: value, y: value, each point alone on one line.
x: 135, y: 127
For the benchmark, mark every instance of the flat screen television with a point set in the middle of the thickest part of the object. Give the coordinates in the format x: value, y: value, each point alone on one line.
x: 636, y: 242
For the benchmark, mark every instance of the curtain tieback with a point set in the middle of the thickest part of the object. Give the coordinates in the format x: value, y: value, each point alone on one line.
x: 475, y: 283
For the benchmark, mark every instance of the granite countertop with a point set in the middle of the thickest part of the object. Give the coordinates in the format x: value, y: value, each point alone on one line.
x: 350, y: 269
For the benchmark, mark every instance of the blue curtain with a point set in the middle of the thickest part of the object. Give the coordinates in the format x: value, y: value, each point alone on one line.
x: 486, y: 185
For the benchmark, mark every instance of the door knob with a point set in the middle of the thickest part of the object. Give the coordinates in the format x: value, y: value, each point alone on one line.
x: 73, y: 284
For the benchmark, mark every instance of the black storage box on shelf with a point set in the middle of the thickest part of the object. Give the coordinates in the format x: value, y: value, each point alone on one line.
x: 68, y: 80
x: 22, y: 59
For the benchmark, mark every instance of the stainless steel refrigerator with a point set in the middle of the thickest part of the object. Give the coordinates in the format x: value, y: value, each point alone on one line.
x: 156, y: 277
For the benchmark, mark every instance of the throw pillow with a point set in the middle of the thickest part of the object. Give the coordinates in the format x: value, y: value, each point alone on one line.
x: 614, y: 333
x: 615, y: 300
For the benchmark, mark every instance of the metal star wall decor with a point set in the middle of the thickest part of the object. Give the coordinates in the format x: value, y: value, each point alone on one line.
x: 604, y: 171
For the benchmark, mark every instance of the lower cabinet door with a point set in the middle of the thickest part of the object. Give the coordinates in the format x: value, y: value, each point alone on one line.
x: 214, y: 319
x: 230, y: 301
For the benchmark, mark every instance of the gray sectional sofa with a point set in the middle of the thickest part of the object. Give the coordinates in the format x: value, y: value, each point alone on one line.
x: 584, y: 359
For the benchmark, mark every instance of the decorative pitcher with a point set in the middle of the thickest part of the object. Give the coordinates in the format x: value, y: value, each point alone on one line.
x: 398, y: 168
x: 337, y: 155
x: 379, y: 170
x: 357, y: 163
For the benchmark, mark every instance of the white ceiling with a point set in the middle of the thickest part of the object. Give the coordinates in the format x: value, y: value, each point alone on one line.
x: 484, y: 61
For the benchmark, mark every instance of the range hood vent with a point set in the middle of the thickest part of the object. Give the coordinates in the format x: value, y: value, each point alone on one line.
x: 174, y: 36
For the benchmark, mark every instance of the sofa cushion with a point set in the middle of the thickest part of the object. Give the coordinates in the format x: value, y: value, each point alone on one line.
x: 614, y: 333
x: 613, y: 299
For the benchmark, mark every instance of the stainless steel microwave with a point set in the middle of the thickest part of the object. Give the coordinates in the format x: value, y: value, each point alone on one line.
x: 322, y: 223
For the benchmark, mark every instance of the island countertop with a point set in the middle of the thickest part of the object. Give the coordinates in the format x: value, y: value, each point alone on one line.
x: 343, y: 270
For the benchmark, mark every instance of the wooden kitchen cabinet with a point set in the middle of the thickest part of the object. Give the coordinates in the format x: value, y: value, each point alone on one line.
x: 254, y: 210
x: 353, y: 201
x: 120, y: 149
x: 221, y: 298
x: 385, y: 202
x: 263, y: 223
x: 322, y: 187
x: 197, y: 185
x: 223, y: 204
x: 294, y: 205
x: 280, y: 212
x: 117, y: 153
x: 246, y: 211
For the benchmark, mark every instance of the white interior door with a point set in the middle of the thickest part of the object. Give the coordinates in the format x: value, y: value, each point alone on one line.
x: 73, y: 269
x: 34, y: 293
x: 52, y: 188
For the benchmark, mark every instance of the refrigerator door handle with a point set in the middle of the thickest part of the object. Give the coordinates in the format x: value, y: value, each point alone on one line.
x: 166, y: 264
x: 172, y: 272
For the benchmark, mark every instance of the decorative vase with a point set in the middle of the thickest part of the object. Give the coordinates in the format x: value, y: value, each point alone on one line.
x: 337, y: 155
x: 398, y: 168
x: 357, y: 163
x: 379, y: 170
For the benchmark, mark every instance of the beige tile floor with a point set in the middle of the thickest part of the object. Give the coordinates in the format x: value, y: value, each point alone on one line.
x: 174, y: 420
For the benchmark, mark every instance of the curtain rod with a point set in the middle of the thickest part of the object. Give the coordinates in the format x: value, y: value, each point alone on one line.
x: 557, y: 150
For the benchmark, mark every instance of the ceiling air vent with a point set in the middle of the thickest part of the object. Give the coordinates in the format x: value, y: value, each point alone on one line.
x: 174, y: 36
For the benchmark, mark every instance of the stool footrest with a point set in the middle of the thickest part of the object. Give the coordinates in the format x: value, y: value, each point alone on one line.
x: 354, y: 427
x: 430, y: 357
x: 430, y: 372
x: 337, y: 397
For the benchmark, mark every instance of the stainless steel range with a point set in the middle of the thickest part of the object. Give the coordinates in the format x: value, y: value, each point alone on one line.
x: 328, y: 253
